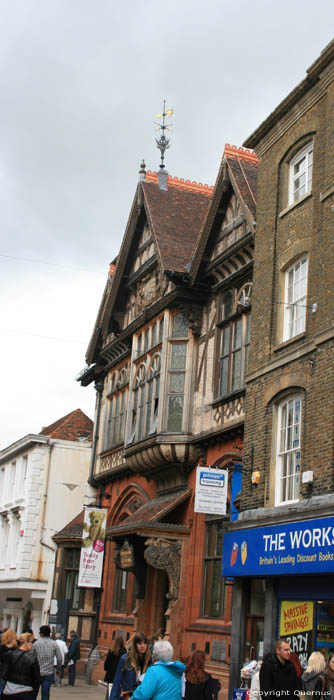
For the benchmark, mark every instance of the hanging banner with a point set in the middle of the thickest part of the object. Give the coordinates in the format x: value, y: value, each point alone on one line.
x: 92, y: 548
x: 211, y: 491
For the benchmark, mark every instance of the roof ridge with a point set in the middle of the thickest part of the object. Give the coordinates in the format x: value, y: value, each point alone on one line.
x: 181, y: 183
x: 240, y: 152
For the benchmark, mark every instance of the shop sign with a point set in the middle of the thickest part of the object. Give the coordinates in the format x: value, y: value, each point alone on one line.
x: 92, y: 548
x: 289, y: 548
x: 211, y: 491
x: 126, y: 556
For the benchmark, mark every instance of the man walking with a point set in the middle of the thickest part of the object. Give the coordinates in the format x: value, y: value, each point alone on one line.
x: 73, y: 656
x: 46, y: 650
x: 278, y: 678
x: 63, y: 650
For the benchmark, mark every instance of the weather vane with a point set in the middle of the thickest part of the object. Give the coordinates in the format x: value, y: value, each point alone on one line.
x: 163, y: 142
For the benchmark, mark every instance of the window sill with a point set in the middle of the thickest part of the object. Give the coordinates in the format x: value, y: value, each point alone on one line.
x: 294, y: 204
x: 287, y: 503
x: 210, y: 624
x: 290, y: 341
x: 228, y: 397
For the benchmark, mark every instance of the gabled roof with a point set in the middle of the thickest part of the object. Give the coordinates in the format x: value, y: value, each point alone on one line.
x: 239, y: 168
x: 73, y: 529
x: 175, y: 216
x: 74, y: 426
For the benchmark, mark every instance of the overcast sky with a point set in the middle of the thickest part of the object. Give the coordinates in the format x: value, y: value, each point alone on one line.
x: 80, y: 84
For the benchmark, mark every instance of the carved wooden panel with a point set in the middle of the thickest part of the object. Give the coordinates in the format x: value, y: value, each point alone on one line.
x: 230, y: 411
x: 115, y: 459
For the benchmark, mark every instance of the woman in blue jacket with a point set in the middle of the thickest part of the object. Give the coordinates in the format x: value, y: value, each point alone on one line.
x: 132, y: 667
x: 164, y: 679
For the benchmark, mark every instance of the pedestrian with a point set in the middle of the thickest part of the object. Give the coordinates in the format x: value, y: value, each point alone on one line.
x: 277, y: 674
x: 164, y: 679
x: 294, y: 658
x: 73, y: 656
x: 329, y: 671
x: 113, y: 658
x: 63, y: 651
x: 132, y: 667
x: 23, y: 670
x: 8, y: 641
x: 315, y: 681
x: 46, y: 649
x: 199, y: 683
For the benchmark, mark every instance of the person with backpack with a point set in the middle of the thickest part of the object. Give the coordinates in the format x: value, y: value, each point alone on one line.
x: 315, y: 681
x: 278, y: 678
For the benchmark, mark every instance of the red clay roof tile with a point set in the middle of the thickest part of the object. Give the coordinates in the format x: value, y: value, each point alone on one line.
x: 73, y: 426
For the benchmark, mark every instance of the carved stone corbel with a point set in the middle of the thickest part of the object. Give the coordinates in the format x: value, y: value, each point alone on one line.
x: 193, y: 313
x: 165, y: 554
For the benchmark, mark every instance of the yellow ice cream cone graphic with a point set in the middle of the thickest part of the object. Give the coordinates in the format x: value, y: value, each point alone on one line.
x: 243, y: 552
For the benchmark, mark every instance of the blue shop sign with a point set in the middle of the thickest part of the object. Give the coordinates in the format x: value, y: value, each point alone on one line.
x: 290, y: 548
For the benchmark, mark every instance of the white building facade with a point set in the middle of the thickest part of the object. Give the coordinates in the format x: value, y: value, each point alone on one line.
x: 43, y: 482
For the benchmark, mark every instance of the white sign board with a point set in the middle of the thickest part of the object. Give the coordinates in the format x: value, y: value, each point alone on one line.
x: 92, y: 548
x: 211, y: 491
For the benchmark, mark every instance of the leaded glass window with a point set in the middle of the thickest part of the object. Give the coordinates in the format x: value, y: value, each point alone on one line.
x: 234, y: 354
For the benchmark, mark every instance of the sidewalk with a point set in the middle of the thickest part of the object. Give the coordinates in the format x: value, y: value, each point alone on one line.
x: 80, y: 690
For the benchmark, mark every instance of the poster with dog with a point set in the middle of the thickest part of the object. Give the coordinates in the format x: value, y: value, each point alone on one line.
x: 92, y: 548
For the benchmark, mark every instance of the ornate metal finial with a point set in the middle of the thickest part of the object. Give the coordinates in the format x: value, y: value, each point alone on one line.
x: 163, y: 142
x: 142, y: 171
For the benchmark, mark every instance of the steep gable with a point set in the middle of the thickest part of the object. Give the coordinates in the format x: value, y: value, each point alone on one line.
x: 74, y: 426
x: 234, y: 197
x: 176, y: 217
x: 160, y: 236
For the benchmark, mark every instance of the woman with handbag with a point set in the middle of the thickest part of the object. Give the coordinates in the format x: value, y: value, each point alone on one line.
x: 131, y: 668
x: 199, y: 683
x: 23, y: 678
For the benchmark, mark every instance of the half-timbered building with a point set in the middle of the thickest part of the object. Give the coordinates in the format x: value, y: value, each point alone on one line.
x: 168, y: 356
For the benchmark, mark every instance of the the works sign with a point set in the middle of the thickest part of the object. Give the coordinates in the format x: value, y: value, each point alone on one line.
x: 291, y: 548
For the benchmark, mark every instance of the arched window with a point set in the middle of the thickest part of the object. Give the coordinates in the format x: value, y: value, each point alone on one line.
x: 146, y: 383
x: 300, y: 173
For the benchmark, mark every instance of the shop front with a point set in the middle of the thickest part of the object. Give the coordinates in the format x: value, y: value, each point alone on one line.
x: 283, y: 587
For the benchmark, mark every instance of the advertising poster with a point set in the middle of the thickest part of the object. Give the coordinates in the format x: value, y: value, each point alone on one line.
x: 304, y: 547
x: 92, y: 548
x: 296, y: 626
x: 211, y: 491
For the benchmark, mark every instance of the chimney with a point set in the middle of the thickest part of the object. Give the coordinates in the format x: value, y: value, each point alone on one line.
x: 162, y: 179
